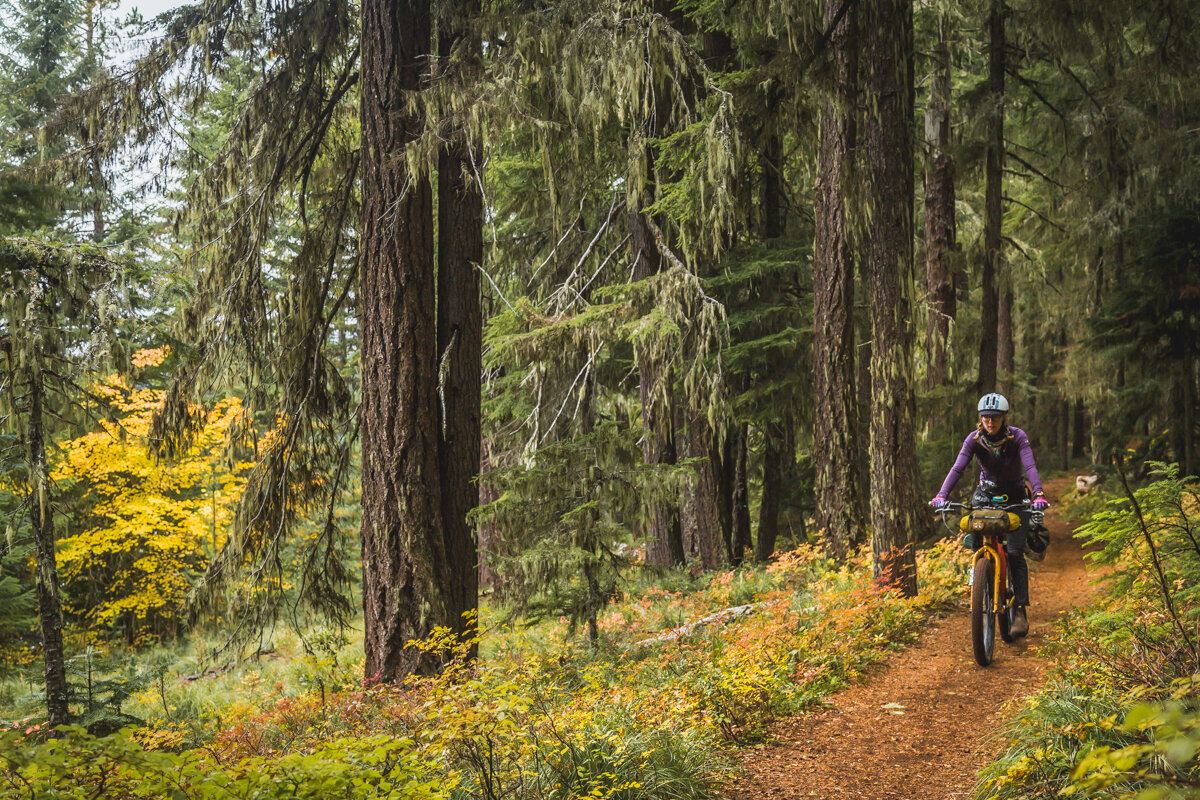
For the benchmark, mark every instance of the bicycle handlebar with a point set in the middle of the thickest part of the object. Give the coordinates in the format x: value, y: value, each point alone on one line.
x: 1035, y: 517
x: 968, y: 507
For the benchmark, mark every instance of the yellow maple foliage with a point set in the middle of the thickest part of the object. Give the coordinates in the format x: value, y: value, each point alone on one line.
x: 149, y: 526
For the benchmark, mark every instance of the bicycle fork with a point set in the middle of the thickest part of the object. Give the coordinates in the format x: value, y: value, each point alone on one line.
x: 1000, y: 574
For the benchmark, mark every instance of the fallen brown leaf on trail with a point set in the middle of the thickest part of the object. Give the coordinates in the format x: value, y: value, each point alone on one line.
x: 863, y: 747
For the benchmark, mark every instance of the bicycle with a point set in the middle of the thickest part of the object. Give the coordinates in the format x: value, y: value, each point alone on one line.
x: 992, y: 600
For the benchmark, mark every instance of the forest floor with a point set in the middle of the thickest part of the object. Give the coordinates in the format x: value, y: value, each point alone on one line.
x: 923, y: 723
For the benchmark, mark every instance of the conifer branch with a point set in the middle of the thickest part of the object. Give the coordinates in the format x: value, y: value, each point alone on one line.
x: 1164, y: 587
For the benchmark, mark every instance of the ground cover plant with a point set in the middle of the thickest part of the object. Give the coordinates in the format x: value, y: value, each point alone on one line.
x: 1121, y: 718
x: 649, y: 712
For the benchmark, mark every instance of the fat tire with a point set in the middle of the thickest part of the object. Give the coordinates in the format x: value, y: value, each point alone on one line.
x: 1005, y: 618
x: 983, y: 617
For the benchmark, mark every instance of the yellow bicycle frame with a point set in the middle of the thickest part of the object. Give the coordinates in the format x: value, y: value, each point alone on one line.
x: 1000, y: 562
x: 997, y: 581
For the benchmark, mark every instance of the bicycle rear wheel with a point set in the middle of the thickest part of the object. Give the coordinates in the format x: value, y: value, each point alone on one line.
x: 983, y: 612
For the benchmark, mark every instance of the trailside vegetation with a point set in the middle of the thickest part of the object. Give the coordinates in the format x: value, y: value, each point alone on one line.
x: 1121, y: 716
x: 650, y: 715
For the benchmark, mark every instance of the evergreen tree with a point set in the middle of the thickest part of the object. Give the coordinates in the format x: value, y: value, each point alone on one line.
x: 58, y: 310
x: 940, y: 227
x: 839, y: 503
x: 460, y: 323
x: 888, y: 149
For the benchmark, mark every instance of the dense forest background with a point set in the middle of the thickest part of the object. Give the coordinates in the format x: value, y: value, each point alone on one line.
x: 341, y: 317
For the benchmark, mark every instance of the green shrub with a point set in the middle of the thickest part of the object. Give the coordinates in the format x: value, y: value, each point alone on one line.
x: 78, y: 766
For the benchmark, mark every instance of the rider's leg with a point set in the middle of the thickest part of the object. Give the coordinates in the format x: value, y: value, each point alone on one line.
x: 1015, y: 547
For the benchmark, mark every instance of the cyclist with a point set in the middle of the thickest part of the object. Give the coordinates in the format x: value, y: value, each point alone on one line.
x: 1003, y: 453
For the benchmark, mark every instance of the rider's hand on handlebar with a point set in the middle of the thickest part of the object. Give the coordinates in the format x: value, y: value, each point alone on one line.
x: 1040, y: 503
x: 937, y: 503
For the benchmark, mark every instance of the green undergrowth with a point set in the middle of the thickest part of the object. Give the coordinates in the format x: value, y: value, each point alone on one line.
x: 649, y: 713
x: 1120, y: 717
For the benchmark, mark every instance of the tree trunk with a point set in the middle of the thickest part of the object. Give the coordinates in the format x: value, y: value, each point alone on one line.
x: 1005, y: 343
x: 41, y: 519
x: 724, y: 458
x: 1187, y: 421
x: 940, y: 239
x: 888, y: 146
x: 1064, y: 429
x: 741, y: 497
x: 771, y: 190
x: 993, y: 203
x: 862, y: 355
x: 460, y: 349
x: 489, y: 531
x: 699, y: 512
x: 404, y: 560
x: 97, y: 183
x: 664, y: 542
x: 768, y: 508
x: 839, y: 504
x: 1080, y: 433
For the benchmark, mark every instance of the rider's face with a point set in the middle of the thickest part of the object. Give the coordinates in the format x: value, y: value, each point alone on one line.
x: 991, y: 422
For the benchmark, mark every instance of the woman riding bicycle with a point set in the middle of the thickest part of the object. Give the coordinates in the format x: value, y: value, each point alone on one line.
x: 1003, y: 452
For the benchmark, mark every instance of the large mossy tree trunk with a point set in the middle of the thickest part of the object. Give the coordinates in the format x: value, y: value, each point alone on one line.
x: 839, y: 503
x: 404, y: 558
x: 699, y: 510
x: 940, y: 236
x: 41, y: 519
x: 989, y: 312
x: 888, y: 147
x: 459, y: 343
x: 664, y: 542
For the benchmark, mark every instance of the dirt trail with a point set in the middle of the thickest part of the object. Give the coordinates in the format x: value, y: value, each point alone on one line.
x: 862, y: 747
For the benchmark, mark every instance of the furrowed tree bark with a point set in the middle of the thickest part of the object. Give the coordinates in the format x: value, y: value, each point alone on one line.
x: 41, y: 519
x: 993, y: 203
x: 839, y: 503
x: 862, y: 354
x: 888, y: 147
x: 664, y: 542
x: 460, y: 347
x: 700, y: 513
x: 404, y: 559
x: 940, y: 238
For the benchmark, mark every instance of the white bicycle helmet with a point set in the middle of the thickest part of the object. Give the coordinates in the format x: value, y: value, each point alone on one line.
x: 993, y: 403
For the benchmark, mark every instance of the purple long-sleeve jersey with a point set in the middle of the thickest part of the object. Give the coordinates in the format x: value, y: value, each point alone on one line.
x: 1004, y: 468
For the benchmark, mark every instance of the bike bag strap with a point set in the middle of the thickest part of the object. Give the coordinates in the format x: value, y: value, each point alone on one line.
x: 989, y: 521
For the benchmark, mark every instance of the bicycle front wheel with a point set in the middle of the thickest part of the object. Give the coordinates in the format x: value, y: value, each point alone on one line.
x: 983, y: 612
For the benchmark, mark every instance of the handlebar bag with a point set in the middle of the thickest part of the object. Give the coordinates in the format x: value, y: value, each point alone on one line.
x: 991, y: 520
